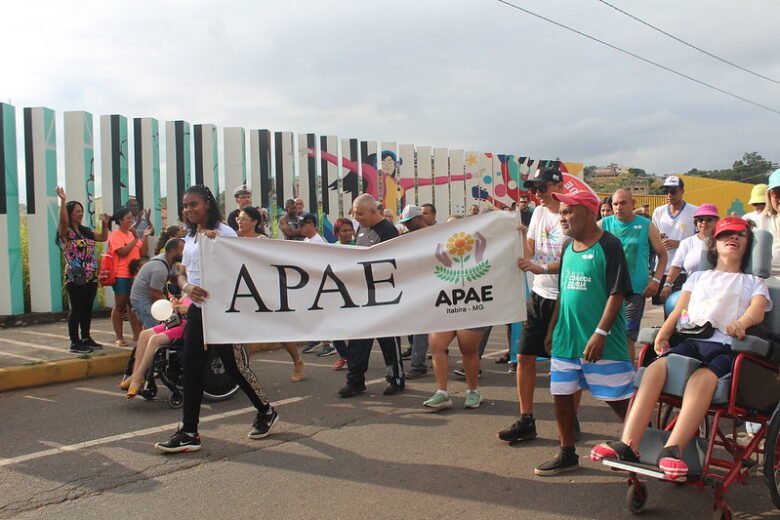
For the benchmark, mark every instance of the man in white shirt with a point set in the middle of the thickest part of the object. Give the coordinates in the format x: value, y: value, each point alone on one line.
x: 309, y: 228
x: 675, y: 222
x: 758, y: 201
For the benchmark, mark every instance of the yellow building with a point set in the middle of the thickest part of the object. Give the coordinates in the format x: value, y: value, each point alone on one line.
x: 728, y: 196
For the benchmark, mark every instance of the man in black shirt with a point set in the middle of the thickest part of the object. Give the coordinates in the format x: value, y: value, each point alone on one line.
x: 525, y: 212
x: 243, y: 197
x: 374, y: 228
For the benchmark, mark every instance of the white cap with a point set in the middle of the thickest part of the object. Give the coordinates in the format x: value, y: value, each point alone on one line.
x: 411, y: 211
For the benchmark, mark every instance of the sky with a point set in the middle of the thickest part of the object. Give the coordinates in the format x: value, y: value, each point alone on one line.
x: 463, y: 74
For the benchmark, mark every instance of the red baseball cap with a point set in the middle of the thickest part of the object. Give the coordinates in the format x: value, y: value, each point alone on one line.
x: 581, y: 198
x: 730, y: 224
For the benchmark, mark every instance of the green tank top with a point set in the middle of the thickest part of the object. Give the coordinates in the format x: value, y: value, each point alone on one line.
x: 635, y: 238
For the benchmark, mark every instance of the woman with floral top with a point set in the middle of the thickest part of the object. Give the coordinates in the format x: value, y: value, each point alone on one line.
x: 81, y: 270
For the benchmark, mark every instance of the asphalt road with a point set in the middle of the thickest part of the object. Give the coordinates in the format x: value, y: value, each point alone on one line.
x: 81, y: 451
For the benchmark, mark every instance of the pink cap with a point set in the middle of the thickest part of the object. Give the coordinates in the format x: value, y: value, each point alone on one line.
x: 707, y: 210
x: 581, y: 198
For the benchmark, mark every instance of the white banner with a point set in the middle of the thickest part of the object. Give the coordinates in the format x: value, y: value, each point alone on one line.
x: 458, y: 275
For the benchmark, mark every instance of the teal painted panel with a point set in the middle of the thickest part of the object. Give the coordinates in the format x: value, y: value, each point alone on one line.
x: 156, y: 216
x: 52, y: 208
x: 13, y: 225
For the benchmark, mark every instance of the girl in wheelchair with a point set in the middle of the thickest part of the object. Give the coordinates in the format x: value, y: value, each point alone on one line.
x: 714, y: 306
x: 151, y: 339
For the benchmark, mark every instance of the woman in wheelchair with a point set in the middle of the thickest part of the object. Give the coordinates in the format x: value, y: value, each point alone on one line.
x: 714, y: 306
x: 151, y: 339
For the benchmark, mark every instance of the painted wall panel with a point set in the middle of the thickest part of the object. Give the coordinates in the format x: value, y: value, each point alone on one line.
x: 441, y: 188
x: 457, y: 183
x: 11, y: 283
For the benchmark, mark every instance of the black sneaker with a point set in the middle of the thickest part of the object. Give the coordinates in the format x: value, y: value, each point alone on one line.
x: 393, y: 389
x: 461, y: 372
x: 78, y: 347
x: 406, y: 353
x: 91, y: 343
x: 351, y: 390
x: 416, y: 373
x: 180, y: 442
x: 503, y: 360
x: 562, y: 463
x: 264, y: 423
x: 522, y: 430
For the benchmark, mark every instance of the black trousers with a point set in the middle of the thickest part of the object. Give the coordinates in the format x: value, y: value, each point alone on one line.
x: 359, y: 352
x: 82, y: 297
x: 195, y: 362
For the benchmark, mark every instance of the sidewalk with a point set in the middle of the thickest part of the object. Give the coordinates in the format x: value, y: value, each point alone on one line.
x: 38, y: 355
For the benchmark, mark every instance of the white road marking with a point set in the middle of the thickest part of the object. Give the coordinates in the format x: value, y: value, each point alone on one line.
x: 47, y: 334
x: 61, y: 350
x: 40, y: 398
x: 137, y: 433
x: 119, y: 393
x: 20, y: 356
x: 280, y: 362
x: 104, y: 332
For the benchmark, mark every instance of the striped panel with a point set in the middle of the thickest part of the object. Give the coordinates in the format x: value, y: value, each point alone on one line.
x: 424, y: 175
x: 11, y: 290
x: 307, y: 172
x: 349, y: 178
x: 284, y: 170
x: 441, y: 180
x: 43, y: 217
x: 206, y: 157
x: 392, y: 194
x: 115, y: 182
x: 473, y: 180
x: 369, y: 168
x: 332, y: 204
x: 406, y: 173
x: 146, y: 141
x: 457, y: 183
x: 80, y: 163
x: 235, y: 166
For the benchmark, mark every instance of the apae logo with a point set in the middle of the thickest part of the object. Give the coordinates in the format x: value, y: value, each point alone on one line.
x: 462, y: 260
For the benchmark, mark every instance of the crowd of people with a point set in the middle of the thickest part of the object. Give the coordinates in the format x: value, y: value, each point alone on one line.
x: 591, y: 266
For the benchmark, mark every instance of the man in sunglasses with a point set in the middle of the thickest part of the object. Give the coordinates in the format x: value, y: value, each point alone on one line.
x: 675, y: 222
x: 542, y: 258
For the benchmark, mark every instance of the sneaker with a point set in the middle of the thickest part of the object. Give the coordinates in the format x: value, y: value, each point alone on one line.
x: 393, y: 389
x: 91, y: 343
x: 503, y: 360
x: 327, y: 350
x: 340, y: 364
x: 180, y: 442
x: 438, y: 401
x: 416, y: 373
x: 406, y: 353
x: 473, y: 399
x: 522, y: 430
x: 310, y: 347
x: 350, y: 390
x: 671, y: 463
x: 511, y: 368
x: 462, y: 373
x: 562, y: 463
x: 264, y: 423
x: 79, y: 347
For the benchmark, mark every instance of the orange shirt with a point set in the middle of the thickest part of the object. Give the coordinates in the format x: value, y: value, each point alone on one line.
x: 118, y: 240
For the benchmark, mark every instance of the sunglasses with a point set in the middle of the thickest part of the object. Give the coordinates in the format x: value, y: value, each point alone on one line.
x: 700, y: 220
x: 670, y: 191
x: 542, y: 188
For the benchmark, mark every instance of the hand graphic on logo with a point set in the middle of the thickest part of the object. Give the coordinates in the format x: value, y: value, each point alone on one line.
x: 480, y: 243
x: 442, y: 256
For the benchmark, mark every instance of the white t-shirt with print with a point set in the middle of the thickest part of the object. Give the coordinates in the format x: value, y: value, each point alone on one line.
x: 688, y: 255
x: 545, y: 231
x: 751, y: 286
x: 678, y: 227
x: 190, y: 258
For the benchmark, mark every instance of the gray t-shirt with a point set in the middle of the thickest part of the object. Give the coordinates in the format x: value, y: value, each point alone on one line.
x: 153, y: 275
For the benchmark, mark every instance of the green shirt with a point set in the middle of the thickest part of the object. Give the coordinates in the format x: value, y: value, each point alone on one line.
x: 635, y: 237
x: 587, y: 280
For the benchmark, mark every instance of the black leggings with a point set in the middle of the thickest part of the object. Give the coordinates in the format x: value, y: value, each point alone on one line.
x: 82, y: 297
x: 195, y: 362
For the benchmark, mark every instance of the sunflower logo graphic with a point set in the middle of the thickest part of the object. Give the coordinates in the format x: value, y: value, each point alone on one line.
x: 455, y: 255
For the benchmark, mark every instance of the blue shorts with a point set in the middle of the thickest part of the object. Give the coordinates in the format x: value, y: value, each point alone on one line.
x: 122, y: 285
x: 606, y: 380
x: 143, y: 310
x: 716, y: 356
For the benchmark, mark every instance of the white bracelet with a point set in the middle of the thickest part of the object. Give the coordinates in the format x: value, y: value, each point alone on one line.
x: 656, y: 280
x: 602, y: 332
x: 184, y: 287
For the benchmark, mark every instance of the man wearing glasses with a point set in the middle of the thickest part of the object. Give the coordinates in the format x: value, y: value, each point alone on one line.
x: 675, y: 222
x: 542, y: 258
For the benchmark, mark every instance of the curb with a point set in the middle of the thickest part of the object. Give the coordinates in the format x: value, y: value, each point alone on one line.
x: 67, y: 370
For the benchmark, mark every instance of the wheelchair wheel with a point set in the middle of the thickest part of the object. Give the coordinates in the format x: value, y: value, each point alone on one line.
x: 217, y: 384
x: 636, y: 497
x: 772, y: 457
x: 176, y: 399
x: 150, y: 392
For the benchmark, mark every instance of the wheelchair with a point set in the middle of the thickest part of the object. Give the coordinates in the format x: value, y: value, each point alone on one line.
x: 168, y: 367
x: 751, y: 393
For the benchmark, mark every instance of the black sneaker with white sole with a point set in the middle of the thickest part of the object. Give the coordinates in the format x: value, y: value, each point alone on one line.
x: 566, y: 460
x: 78, y: 347
x: 180, y: 442
x: 522, y: 430
x: 264, y: 424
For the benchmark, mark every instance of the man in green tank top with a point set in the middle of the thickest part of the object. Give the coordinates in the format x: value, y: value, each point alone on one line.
x: 637, y: 235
